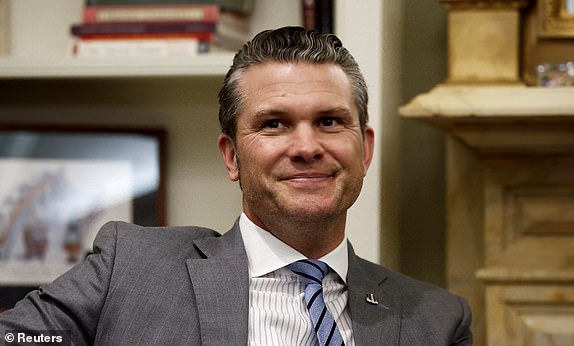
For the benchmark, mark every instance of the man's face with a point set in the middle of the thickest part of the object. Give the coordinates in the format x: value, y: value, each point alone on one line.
x: 299, y: 151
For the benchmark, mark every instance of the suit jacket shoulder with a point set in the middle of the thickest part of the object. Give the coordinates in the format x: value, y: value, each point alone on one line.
x: 132, y: 240
x: 134, y: 288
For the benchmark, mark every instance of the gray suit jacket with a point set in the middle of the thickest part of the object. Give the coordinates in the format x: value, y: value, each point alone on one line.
x: 189, y: 286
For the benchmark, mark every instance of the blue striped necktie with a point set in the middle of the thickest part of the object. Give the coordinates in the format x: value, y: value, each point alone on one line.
x: 312, y: 273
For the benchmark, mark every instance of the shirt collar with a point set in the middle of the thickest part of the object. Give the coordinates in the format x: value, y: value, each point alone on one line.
x: 266, y: 253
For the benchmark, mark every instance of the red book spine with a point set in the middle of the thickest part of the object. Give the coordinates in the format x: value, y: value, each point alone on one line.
x: 150, y: 13
x: 308, y: 8
x: 200, y: 36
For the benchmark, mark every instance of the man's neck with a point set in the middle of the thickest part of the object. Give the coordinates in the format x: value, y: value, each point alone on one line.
x: 312, y: 238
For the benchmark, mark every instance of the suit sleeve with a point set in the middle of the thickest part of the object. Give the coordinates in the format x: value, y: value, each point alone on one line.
x: 463, y: 335
x: 74, y: 300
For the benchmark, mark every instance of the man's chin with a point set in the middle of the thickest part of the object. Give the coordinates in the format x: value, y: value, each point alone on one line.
x: 310, y: 213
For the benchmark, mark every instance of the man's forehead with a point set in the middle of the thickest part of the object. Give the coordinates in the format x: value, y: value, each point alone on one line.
x: 290, y: 75
x: 294, y: 78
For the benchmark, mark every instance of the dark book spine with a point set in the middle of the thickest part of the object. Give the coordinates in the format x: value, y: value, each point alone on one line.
x: 141, y: 28
x: 318, y: 15
x: 235, y: 5
x: 324, y: 16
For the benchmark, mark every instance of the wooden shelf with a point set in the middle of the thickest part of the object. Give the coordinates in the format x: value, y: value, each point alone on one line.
x: 212, y: 64
x: 505, y: 275
x: 454, y: 102
x: 500, y: 118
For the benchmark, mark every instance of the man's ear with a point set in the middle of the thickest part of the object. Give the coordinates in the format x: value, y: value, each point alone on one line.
x: 229, y: 154
x: 368, y: 148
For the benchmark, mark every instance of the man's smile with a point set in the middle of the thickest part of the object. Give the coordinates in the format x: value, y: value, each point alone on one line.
x: 308, y: 180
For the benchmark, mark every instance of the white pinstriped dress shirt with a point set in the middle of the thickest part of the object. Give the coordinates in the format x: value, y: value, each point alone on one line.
x: 277, y: 312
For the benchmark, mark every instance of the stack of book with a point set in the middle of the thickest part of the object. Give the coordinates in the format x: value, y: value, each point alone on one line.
x: 233, y: 29
x: 145, y: 28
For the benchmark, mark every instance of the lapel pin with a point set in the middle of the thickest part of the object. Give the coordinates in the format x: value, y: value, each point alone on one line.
x: 371, y: 299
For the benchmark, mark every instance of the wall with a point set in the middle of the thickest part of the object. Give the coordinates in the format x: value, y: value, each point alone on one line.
x: 361, y: 34
x: 422, y: 187
x: 390, y: 140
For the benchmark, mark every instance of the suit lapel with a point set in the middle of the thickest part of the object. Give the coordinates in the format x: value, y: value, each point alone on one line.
x: 373, y: 322
x: 221, y: 287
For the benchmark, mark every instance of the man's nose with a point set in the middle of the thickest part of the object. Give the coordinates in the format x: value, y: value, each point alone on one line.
x: 305, y: 144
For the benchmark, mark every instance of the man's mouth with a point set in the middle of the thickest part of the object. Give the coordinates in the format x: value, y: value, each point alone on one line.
x: 307, y: 180
x: 306, y: 176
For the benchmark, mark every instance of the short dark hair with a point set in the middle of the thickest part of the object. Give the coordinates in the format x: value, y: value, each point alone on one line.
x: 286, y: 45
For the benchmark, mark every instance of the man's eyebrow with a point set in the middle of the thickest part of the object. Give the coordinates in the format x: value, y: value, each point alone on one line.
x: 266, y: 112
x: 337, y: 110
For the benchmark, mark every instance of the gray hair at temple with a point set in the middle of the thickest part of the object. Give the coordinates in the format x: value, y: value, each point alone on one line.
x: 287, y: 45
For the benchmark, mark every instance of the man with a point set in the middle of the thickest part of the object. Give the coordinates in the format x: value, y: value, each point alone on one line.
x: 293, y: 112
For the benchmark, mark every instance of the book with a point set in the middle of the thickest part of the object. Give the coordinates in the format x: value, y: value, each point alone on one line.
x: 142, y: 28
x: 233, y: 30
x: 143, y: 48
x: 318, y: 15
x: 308, y: 14
x: 200, y: 36
x: 245, y: 6
x: 153, y: 13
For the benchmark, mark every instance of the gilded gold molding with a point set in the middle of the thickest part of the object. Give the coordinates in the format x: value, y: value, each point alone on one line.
x: 484, y: 4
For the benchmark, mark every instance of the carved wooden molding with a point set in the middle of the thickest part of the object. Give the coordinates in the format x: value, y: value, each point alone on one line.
x: 510, y: 171
x: 491, y: 101
x: 503, y: 275
x: 512, y: 119
x: 530, y: 315
x: 553, y: 22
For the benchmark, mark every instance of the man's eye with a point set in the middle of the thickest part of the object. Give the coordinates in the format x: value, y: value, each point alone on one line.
x: 272, y: 124
x: 328, y: 122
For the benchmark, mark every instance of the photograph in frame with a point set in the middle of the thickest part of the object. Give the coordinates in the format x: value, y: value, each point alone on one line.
x: 58, y: 186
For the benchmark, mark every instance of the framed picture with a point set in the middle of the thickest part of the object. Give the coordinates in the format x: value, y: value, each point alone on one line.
x: 59, y: 185
x: 556, y: 18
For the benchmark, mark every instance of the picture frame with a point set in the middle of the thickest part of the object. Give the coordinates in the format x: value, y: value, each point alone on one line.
x: 60, y: 184
x: 556, y: 18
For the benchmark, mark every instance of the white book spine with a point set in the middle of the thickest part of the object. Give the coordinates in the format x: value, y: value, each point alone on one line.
x: 135, y: 48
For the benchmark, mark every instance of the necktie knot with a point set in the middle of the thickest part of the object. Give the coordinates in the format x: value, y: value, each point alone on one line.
x: 310, y: 271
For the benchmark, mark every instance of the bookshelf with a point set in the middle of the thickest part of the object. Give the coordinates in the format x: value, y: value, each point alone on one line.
x: 41, y: 84
x: 213, y: 64
x: 42, y: 49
